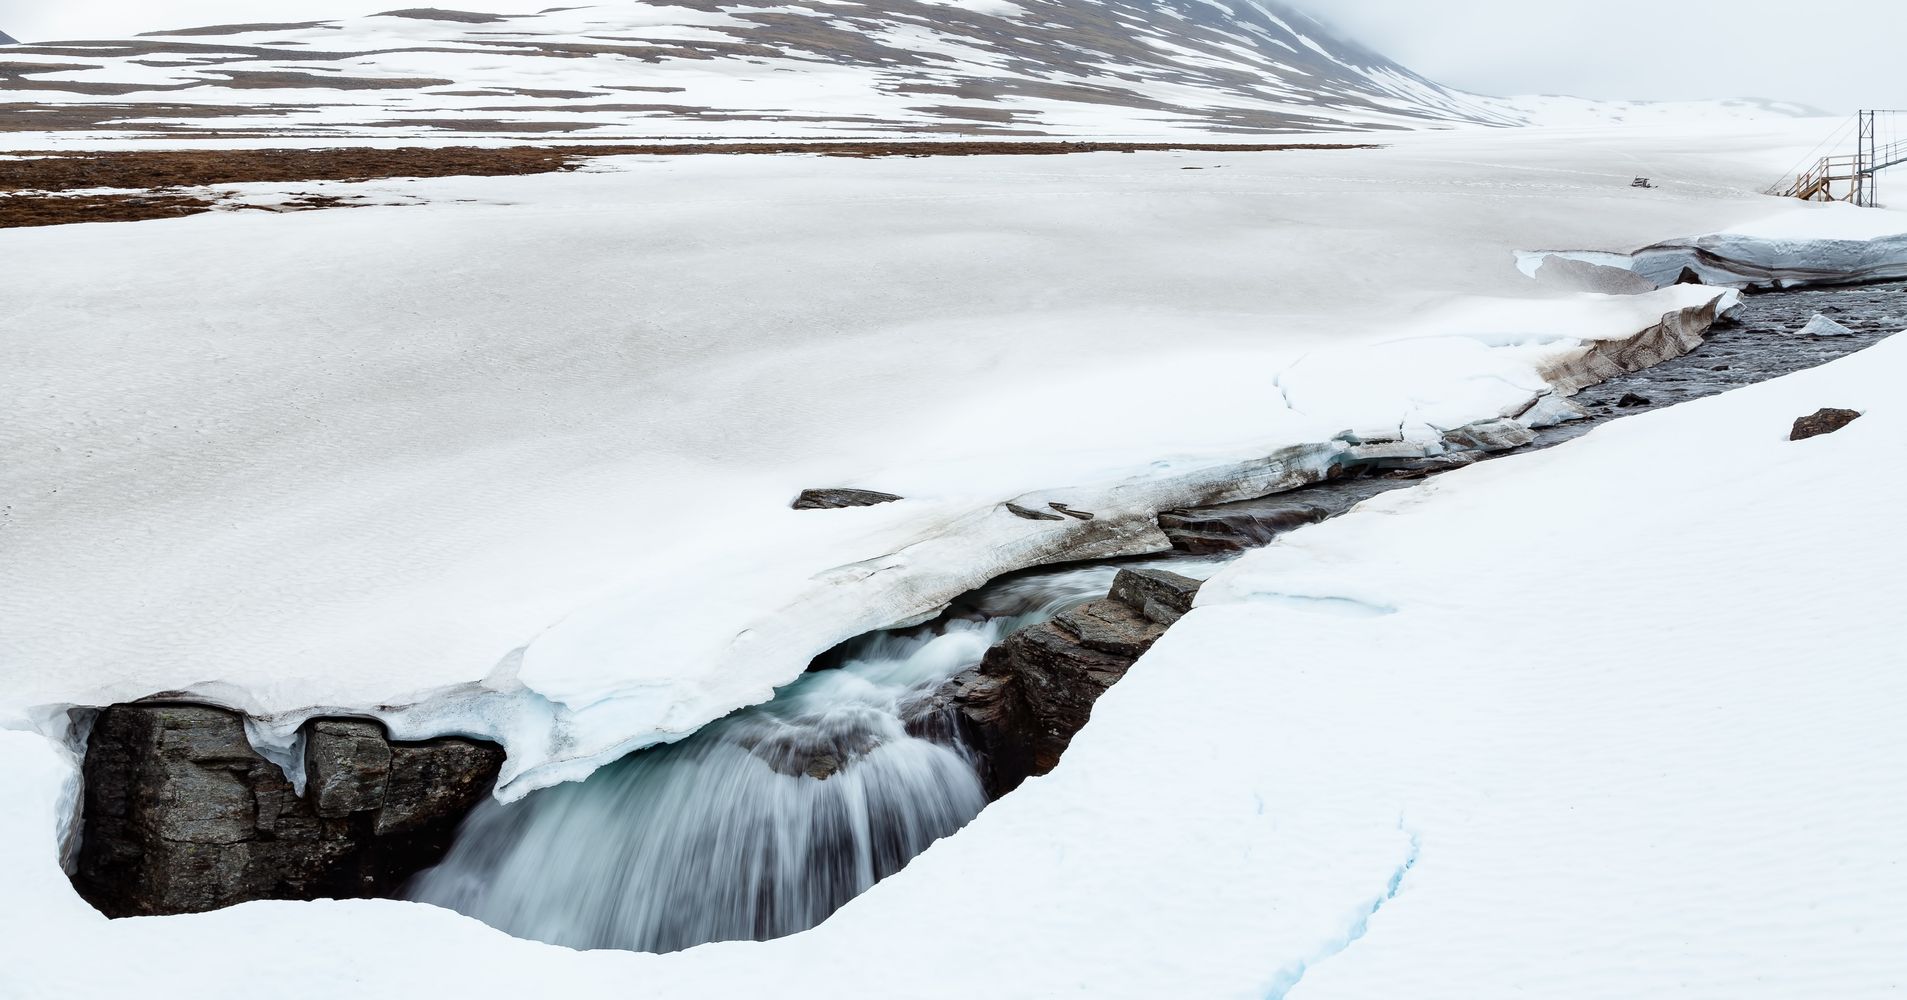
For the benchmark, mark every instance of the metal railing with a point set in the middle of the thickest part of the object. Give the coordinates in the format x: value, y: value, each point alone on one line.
x: 1849, y: 178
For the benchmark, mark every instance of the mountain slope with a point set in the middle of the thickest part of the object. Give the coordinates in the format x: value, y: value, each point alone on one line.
x: 733, y: 68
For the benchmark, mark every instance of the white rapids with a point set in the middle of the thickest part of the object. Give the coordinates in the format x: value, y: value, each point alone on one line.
x: 761, y: 824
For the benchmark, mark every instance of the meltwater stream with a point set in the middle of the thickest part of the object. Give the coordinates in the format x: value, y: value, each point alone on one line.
x: 761, y: 824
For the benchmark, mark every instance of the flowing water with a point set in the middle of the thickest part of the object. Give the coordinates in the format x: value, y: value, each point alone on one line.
x: 761, y: 824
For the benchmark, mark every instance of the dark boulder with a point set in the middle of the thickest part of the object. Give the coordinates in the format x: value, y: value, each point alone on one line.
x: 1823, y: 421
x: 347, y: 766
x: 835, y: 499
x: 1019, y: 710
x: 182, y: 815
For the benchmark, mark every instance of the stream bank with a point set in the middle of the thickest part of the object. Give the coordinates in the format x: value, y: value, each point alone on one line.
x: 840, y: 781
x: 1758, y: 340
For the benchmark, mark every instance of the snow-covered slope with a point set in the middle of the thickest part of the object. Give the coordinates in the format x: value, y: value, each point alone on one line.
x: 745, y: 67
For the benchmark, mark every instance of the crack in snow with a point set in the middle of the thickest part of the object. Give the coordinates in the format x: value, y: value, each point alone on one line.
x: 1289, y: 976
x: 1350, y: 607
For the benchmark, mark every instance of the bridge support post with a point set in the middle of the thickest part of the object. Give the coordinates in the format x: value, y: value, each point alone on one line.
x: 1867, y: 160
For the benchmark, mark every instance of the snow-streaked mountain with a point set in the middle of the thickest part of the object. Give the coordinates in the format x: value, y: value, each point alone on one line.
x: 728, y: 68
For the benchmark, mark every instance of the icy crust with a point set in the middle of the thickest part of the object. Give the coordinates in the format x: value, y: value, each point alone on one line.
x: 1775, y: 263
x: 1678, y: 775
x: 1814, y: 246
x: 606, y: 680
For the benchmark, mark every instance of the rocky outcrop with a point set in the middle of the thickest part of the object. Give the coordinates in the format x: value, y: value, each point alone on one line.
x: 834, y: 499
x: 1823, y: 421
x: 182, y: 815
x: 1021, y: 707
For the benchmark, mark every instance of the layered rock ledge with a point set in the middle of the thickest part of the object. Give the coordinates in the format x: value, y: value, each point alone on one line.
x: 182, y: 815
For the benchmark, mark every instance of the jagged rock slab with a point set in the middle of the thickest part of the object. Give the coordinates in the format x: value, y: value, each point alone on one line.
x: 1021, y: 707
x: 835, y: 499
x: 1159, y: 595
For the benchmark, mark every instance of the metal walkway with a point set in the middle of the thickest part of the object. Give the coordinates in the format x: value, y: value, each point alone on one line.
x: 1853, y: 178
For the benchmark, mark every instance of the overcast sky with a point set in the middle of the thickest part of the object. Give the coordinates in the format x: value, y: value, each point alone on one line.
x: 1836, y: 54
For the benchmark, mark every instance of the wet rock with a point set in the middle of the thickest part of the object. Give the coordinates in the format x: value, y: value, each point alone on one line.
x: 1248, y: 524
x: 1823, y: 421
x: 434, y: 780
x: 1630, y: 401
x: 835, y: 499
x: 1019, y: 710
x: 1032, y: 515
x: 181, y: 815
x: 798, y: 753
x: 1426, y: 465
x: 1108, y: 627
x: 1160, y: 596
x: 347, y: 766
x: 1070, y: 512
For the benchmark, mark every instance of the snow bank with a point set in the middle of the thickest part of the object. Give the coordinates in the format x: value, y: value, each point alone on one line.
x: 1801, y: 245
x: 515, y: 463
x: 1457, y: 743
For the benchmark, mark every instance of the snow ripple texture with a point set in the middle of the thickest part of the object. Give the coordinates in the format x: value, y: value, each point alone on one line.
x: 760, y: 825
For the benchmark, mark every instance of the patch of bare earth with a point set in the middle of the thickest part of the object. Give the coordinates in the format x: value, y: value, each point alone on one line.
x: 37, y: 188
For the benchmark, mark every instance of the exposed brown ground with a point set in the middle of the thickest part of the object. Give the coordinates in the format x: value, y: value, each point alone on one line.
x: 30, y: 188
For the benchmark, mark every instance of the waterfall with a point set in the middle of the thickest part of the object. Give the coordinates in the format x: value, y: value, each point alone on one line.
x: 761, y: 824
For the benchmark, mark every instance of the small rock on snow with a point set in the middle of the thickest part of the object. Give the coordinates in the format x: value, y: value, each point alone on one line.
x: 1823, y: 421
